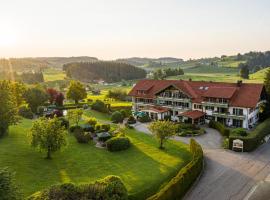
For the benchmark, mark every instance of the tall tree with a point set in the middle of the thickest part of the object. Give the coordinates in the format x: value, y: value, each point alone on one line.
x: 36, y: 97
x: 267, y: 81
x: 244, y: 71
x: 19, y: 90
x: 76, y: 91
x: 52, y: 94
x: 74, y: 116
x: 162, y: 130
x: 48, y: 134
x: 8, y: 107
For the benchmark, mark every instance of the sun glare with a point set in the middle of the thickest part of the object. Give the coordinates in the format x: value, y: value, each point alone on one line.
x: 7, y: 36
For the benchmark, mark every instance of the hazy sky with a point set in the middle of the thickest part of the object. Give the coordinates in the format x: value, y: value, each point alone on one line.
x: 110, y: 29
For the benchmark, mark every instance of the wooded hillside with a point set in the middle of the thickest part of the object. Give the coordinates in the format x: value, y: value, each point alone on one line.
x: 108, y: 71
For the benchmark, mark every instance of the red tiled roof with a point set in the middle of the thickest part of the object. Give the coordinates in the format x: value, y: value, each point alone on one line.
x: 220, y: 92
x: 246, y: 95
x: 194, y: 114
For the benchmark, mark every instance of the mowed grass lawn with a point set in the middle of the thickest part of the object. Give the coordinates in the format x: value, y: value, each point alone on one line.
x: 143, y: 168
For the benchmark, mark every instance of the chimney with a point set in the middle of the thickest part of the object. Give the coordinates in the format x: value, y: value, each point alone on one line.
x: 239, y: 83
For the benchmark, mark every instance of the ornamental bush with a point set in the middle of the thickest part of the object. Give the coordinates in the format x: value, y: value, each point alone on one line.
x: 144, y: 119
x: 117, y: 117
x: 131, y: 120
x: 81, y: 136
x: 72, y: 128
x: 92, y: 121
x: 239, y: 131
x: 118, y: 143
x: 105, y: 127
x: 25, y: 112
x: 109, y: 188
x: 100, y: 106
x: 8, y: 189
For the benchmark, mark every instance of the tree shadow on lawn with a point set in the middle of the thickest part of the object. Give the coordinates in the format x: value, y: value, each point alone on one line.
x: 143, y: 167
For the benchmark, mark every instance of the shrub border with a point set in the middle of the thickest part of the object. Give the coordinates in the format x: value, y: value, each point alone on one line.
x: 179, y: 185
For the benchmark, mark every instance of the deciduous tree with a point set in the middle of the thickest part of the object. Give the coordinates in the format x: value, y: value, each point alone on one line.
x: 74, y: 116
x: 48, y: 134
x: 8, y: 107
x: 36, y: 97
x: 76, y: 91
x: 162, y: 130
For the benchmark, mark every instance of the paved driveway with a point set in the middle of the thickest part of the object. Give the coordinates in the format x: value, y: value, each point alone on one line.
x: 229, y: 175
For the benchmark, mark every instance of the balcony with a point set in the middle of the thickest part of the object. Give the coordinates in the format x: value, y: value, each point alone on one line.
x: 228, y: 115
x: 184, y: 100
x: 215, y: 104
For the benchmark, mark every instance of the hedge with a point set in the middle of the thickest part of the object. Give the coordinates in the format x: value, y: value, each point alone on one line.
x: 254, y: 138
x: 220, y: 127
x: 179, y: 185
x: 118, y: 143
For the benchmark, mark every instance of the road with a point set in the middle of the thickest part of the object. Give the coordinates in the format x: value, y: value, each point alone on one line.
x: 229, y: 175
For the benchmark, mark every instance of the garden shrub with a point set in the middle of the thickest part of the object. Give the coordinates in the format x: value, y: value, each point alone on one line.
x: 92, y: 121
x: 131, y: 120
x: 118, y: 143
x: 144, y: 119
x: 220, y: 127
x: 179, y: 185
x: 64, y: 122
x: 239, y: 131
x: 105, y: 127
x: 88, y: 128
x: 100, y: 106
x: 25, y: 112
x: 72, y: 128
x: 109, y: 188
x: 98, y: 127
x: 254, y: 138
x: 81, y: 136
x: 125, y: 112
x: 8, y: 188
x: 117, y: 117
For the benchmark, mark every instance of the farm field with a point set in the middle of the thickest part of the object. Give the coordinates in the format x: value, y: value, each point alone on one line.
x: 113, y: 102
x: 143, y: 168
x: 219, y: 74
x: 51, y: 74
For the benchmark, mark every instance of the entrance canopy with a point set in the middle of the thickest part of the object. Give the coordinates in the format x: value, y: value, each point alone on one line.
x: 194, y: 114
x: 156, y: 109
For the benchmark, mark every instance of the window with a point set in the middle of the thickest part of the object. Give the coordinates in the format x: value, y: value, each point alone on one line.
x: 237, y: 111
x: 237, y: 123
x: 209, y: 117
x: 209, y: 108
x: 197, y: 106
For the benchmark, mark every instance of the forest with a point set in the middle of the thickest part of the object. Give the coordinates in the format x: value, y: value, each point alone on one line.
x: 108, y: 71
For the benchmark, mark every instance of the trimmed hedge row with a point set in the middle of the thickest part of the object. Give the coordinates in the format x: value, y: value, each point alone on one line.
x: 180, y: 184
x: 220, y: 127
x: 254, y: 138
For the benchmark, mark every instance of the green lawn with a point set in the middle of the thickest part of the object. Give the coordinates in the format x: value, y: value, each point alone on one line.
x: 143, y: 167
